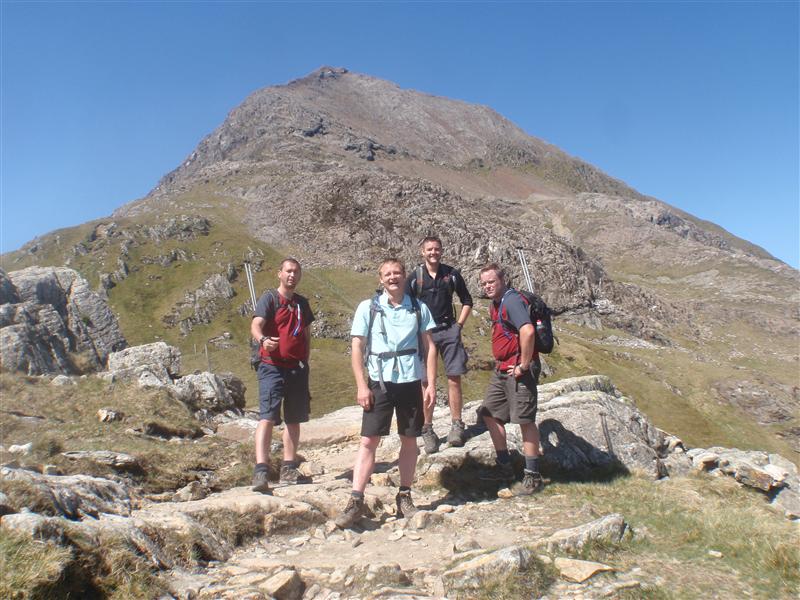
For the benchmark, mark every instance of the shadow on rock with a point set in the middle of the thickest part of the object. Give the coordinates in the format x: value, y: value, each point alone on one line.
x: 569, y: 457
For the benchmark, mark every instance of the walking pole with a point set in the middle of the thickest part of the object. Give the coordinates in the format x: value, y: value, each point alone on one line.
x: 525, y: 271
x: 249, y: 275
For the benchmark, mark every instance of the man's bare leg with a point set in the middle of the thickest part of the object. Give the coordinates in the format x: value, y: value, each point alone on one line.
x: 365, y: 462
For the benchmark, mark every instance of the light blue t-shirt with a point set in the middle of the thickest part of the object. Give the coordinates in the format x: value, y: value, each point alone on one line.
x: 400, y: 324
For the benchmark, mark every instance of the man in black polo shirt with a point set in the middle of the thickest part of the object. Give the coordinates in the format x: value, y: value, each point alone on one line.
x: 438, y: 283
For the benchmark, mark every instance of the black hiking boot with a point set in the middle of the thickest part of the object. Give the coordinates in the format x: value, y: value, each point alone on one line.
x: 291, y: 475
x: 351, y: 513
x: 531, y: 483
x: 429, y: 439
x: 261, y: 482
x: 456, y: 435
x: 405, y: 506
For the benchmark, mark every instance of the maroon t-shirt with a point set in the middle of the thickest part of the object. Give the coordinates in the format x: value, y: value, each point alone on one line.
x: 505, y: 335
x: 286, y: 320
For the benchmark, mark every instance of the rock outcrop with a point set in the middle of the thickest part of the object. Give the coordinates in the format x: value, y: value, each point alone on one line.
x: 158, y: 365
x: 49, y: 315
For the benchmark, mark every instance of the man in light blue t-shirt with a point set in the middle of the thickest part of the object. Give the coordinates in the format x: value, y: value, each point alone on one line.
x: 392, y: 382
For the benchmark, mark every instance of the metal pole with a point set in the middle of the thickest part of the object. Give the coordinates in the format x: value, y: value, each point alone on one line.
x: 525, y: 271
x: 251, y: 286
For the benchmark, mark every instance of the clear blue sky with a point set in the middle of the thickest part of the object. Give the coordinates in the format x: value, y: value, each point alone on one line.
x: 695, y: 103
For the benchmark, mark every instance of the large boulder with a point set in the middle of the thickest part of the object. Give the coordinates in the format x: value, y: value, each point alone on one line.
x: 209, y: 393
x: 49, y: 312
x: 587, y: 429
x: 158, y: 358
x: 586, y: 425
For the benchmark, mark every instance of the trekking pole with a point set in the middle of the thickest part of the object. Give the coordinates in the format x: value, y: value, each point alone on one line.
x: 525, y: 271
x: 249, y: 275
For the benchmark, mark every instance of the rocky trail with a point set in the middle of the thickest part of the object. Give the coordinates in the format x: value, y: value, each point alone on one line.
x: 469, y: 537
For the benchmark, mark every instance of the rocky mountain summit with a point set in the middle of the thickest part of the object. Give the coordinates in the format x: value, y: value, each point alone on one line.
x: 341, y: 169
x: 468, y: 537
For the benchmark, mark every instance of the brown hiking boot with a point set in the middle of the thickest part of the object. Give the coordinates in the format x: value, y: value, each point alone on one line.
x: 351, y: 513
x: 429, y: 439
x: 261, y: 482
x: 405, y: 506
x: 456, y: 435
x: 291, y: 475
x: 531, y: 483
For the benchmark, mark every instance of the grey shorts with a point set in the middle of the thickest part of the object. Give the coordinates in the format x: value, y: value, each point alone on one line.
x: 281, y: 386
x: 512, y: 400
x: 451, y: 349
x: 405, y: 399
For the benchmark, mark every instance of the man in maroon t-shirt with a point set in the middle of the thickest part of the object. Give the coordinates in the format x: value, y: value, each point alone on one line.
x: 281, y: 327
x: 511, y: 395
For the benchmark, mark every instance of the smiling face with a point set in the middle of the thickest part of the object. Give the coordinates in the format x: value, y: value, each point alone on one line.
x: 289, y: 274
x: 392, y: 276
x: 432, y: 252
x: 493, y: 284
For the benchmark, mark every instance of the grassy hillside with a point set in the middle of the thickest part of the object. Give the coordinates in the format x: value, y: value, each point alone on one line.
x: 673, y: 388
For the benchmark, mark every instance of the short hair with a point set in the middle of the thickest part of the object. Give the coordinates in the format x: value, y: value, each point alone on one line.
x: 493, y: 267
x: 431, y: 238
x: 290, y: 259
x: 392, y: 260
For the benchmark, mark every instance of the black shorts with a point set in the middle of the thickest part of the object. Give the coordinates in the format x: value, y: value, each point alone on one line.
x: 512, y: 400
x: 403, y: 398
x: 289, y: 387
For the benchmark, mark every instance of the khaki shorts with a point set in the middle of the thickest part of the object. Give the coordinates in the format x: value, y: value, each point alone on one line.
x: 511, y: 400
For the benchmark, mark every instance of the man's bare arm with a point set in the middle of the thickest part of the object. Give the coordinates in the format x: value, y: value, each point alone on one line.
x: 363, y: 393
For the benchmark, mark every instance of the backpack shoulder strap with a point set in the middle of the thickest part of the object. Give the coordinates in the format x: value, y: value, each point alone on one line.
x: 418, y: 312
x: 419, y: 280
x: 273, y: 302
x: 505, y: 323
x: 374, y: 309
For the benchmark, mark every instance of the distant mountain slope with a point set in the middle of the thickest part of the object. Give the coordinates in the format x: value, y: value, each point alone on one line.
x: 341, y: 169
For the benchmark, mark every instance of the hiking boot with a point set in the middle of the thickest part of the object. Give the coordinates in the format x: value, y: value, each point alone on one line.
x: 531, y: 483
x: 292, y: 475
x: 261, y: 482
x: 502, y: 472
x: 352, y: 513
x: 429, y: 439
x: 405, y: 506
x: 456, y: 435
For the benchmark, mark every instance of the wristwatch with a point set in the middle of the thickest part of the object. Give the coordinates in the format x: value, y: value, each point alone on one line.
x: 262, y: 339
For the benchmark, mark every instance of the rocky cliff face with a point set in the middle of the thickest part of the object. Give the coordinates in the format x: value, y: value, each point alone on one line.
x: 48, y: 315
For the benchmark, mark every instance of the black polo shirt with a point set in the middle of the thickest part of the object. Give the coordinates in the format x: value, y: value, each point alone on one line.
x: 438, y: 293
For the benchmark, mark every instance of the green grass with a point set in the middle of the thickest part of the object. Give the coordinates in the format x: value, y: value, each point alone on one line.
x: 70, y: 423
x: 530, y: 582
x: 34, y: 570
x: 676, y: 522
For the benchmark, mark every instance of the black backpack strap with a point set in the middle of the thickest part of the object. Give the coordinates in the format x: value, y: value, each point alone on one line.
x: 418, y: 312
x: 419, y: 280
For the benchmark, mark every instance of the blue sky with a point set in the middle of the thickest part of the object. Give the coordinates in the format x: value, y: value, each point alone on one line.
x: 695, y: 103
